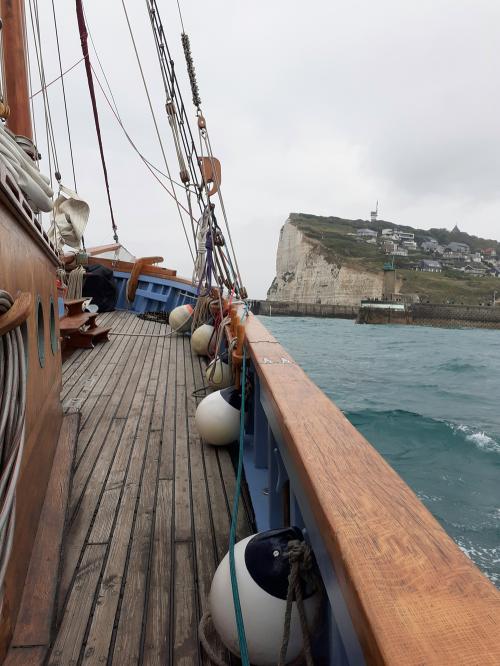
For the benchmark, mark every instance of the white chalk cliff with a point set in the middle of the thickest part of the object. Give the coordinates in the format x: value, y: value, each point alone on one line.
x: 303, y: 275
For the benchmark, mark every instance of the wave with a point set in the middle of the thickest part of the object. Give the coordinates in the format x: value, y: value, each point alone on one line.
x: 405, y: 427
x: 478, y: 438
x: 457, y: 366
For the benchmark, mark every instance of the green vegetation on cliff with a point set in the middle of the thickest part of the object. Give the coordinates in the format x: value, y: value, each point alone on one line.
x: 338, y: 243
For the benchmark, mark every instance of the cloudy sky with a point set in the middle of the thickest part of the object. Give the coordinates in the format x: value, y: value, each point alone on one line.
x: 321, y: 107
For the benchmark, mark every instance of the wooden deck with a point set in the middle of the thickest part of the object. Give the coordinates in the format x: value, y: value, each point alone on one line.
x: 149, y: 510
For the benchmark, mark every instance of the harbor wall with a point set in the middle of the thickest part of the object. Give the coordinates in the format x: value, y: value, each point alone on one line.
x: 291, y: 309
x: 451, y: 316
x: 420, y: 314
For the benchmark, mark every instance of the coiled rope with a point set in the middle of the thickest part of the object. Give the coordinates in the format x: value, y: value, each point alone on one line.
x: 75, y: 283
x: 12, y: 423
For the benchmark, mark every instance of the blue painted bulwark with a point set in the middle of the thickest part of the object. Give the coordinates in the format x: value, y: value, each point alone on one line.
x: 277, y: 495
x: 153, y: 294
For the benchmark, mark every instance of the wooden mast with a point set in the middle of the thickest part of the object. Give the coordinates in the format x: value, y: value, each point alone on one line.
x: 16, y: 67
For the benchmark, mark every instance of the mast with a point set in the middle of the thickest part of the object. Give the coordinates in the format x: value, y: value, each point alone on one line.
x: 16, y: 67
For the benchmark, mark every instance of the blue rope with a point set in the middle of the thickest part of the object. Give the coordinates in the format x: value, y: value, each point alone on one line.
x: 234, y: 518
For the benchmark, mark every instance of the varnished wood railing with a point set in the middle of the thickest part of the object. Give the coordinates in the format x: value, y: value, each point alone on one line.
x: 400, y: 590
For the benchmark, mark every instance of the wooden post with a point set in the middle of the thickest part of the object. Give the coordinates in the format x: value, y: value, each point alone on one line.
x: 16, y: 70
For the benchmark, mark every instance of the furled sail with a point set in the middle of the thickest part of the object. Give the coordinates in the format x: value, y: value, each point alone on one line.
x: 34, y: 185
x: 71, y: 214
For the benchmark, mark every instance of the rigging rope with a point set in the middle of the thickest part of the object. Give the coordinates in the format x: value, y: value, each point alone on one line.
x: 151, y: 168
x: 49, y: 127
x: 64, y: 94
x: 234, y: 519
x: 155, y: 122
x: 12, y: 423
x: 66, y: 71
x: 88, y: 67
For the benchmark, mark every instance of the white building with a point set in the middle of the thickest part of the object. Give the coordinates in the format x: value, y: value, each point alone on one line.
x: 367, y: 233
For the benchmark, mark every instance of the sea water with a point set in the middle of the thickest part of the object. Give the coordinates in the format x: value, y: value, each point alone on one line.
x: 429, y: 400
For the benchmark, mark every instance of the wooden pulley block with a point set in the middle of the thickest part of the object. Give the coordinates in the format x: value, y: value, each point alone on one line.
x: 17, y: 314
x: 4, y: 110
x: 211, y: 173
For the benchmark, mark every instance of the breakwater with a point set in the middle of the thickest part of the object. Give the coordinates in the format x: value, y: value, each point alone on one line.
x: 420, y: 314
x: 291, y: 309
x: 452, y: 316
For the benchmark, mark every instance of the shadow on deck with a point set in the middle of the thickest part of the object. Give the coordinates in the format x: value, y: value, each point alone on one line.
x: 149, y: 510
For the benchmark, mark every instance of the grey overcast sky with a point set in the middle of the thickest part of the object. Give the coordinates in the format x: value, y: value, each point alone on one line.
x: 320, y: 107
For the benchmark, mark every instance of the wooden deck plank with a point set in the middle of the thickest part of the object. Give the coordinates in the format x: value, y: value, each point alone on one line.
x: 26, y: 656
x: 117, y: 407
x: 206, y: 556
x: 168, y: 436
x: 182, y: 490
x: 100, y: 634
x: 149, y: 496
x: 34, y: 620
x: 69, y: 640
x: 185, y: 630
x: 159, y: 412
x: 204, y: 542
x: 130, y: 625
x: 106, y: 404
x: 113, y: 457
x: 158, y: 612
x: 82, y: 519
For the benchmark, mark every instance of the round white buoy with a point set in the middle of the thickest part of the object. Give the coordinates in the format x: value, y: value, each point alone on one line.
x: 262, y: 573
x: 200, y: 340
x: 218, y: 417
x: 180, y: 318
x: 219, y: 374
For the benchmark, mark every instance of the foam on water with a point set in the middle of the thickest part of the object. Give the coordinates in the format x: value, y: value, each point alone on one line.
x: 479, y: 438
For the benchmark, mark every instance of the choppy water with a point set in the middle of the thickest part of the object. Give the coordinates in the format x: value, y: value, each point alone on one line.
x: 429, y: 400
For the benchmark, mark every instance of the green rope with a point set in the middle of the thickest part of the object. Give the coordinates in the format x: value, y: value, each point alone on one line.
x: 234, y: 518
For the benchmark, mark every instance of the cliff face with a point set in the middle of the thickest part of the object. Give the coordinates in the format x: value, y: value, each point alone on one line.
x: 303, y: 275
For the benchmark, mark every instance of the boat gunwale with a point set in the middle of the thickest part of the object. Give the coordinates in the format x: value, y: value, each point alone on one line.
x: 405, y: 581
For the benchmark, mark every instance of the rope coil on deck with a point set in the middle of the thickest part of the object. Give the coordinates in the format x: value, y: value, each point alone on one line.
x: 12, y: 424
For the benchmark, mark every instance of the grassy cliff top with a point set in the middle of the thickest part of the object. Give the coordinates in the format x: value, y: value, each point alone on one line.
x: 337, y: 243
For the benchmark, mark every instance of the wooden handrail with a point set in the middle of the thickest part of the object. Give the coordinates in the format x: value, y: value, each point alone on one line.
x: 413, y: 596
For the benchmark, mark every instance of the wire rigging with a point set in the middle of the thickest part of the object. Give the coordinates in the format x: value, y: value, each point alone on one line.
x: 155, y: 122
x: 49, y: 127
x: 63, y: 87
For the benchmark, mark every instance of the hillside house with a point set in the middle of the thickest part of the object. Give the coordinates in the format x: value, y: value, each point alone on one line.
x: 406, y: 236
x: 461, y: 248
x: 430, y: 266
x: 489, y: 252
x: 367, y: 233
x: 473, y: 270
